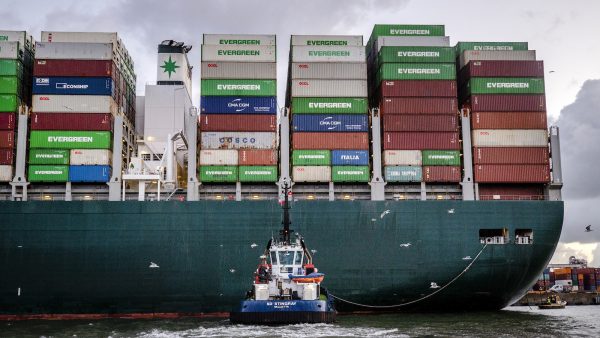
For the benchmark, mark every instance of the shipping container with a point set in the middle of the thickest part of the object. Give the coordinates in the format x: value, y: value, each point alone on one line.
x: 329, y: 70
x: 11, y: 68
x: 70, y: 68
x: 70, y: 139
x: 238, y: 140
x: 416, y: 54
x: 511, y: 55
x: 326, y: 40
x: 330, y: 122
x: 509, y: 120
x: 329, y: 105
x: 418, y: 88
x: 238, y: 122
x: 494, y: 85
x: 512, y: 173
x: 239, y: 70
x: 218, y: 173
x: 73, y: 86
x: 420, y: 140
x: 74, y: 50
x: 510, y: 138
x: 402, y: 158
x: 238, y: 105
x: 258, y: 173
x: 407, y: 41
x: 490, y: 46
x: 317, y: 141
x: 507, y: 103
x: 49, y: 156
x: 441, y: 157
x: 343, y: 174
x: 416, y: 71
x: 239, y: 39
x: 257, y: 157
x: 9, y: 103
x: 9, y: 50
x: 7, y: 139
x: 329, y: 88
x: 407, y: 122
x: 511, y: 192
x: 511, y: 155
x: 11, y: 85
x: 71, y: 121
x: 441, y: 174
x: 93, y: 157
x: 6, y: 173
x: 219, y: 87
x: 311, y: 157
x: 403, y: 174
x: 350, y: 157
x: 311, y: 174
x: 414, y: 105
x: 25, y: 40
x: 239, y: 53
x: 502, y: 69
x: 328, y: 54
x: 6, y: 156
x: 74, y: 104
x: 48, y: 173
x: 89, y: 173
x: 7, y: 121
x: 218, y: 157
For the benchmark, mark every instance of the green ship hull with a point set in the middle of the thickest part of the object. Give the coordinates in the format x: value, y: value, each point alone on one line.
x: 98, y: 257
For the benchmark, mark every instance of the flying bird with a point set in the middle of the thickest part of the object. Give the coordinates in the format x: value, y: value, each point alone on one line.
x: 405, y: 245
x: 467, y: 258
x: 551, y: 72
x: 434, y: 285
x: 450, y: 211
x: 588, y: 228
x: 384, y: 213
x: 253, y: 245
x: 232, y: 270
x: 153, y: 265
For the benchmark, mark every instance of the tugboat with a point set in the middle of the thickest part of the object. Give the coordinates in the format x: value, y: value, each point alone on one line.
x: 287, y: 286
x: 553, y: 302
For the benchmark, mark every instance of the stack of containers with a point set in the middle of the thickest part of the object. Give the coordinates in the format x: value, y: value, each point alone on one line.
x: 238, y: 120
x: 327, y: 96
x: 413, y: 82
x: 503, y: 85
x: 81, y: 80
x: 16, y: 62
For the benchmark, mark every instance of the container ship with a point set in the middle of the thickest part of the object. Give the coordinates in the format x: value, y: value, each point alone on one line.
x: 424, y: 175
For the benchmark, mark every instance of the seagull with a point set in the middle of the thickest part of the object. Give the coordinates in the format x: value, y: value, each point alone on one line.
x: 384, y: 213
x: 450, y: 211
x: 405, y: 245
x: 373, y: 219
x: 253, y: 245
x: 467, y: 258
x: 313, y: 251
x: 232, y: 270
x: 551, y: 72
x: 153, y: 265
x: 434, y: 285
x: 588, y: 228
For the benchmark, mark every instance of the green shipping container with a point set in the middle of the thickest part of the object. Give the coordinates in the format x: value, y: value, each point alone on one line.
x: 403, y: 174
x: 463, y: 46
x: 505, y: 85
x: 10, y: 85
x: 350, y: 174
x: 51, y: 139
x: 9, y: 103
x: 441, y: 157
x: 416, y: 55
x: 416, y: 71
x: 49, y: 156
x: 311, y: 157
x: 238, y: 87
x: 218, y: 173
x: 329, y: 105
x: 48, y: 173
x: 11, y: 68
x: 258, y: 173
x: 405, y: 30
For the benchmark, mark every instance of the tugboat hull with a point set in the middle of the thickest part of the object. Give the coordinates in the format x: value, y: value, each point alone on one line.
x: 283, y: 312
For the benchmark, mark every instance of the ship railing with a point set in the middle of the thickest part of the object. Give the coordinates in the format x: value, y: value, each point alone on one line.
x: 513, y: 197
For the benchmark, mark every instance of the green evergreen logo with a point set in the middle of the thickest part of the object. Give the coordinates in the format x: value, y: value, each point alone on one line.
x: 170, y: 66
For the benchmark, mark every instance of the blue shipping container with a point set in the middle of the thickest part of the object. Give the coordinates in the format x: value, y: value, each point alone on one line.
x: 330, y: 122
x: 350, y: 157
x: 73, y: 85
x: 89, y: 173
x: 238, y: 105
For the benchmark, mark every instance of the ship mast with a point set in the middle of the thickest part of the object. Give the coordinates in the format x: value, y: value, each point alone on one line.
x: 285, y: 232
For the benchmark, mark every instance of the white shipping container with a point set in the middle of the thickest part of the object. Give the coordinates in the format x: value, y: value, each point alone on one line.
x: 219, y: 157
x: 329, y: 70
x: 503, y: 55
x: 329, y: 88
x: 328, y: 54
x: 74, y: 104
x: 239, y: 39
x: 311, y: 173
x: 74, y: 51
x: 90, y: 157
x: 89, y: 37
x: 9, y: 50
x: 411, y: 41
x: 402, y: 158
x: 6, y: 173
x: 327, y: 40
x: 24, y: 39
x: 238, y: 140
x: 239, y: 70
x: 510, y: 138
x: 239, y: 53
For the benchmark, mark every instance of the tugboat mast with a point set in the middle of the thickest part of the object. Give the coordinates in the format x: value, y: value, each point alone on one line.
x: 285, y: 232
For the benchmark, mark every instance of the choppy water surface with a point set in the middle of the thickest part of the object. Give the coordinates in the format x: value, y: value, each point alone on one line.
x: 580, y: 321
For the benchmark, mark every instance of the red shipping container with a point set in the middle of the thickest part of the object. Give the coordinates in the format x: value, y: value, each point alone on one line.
x: 512, y: 173
x: 512, y: 120
x: 330, y: 141
x: 420, y: 123
x: 7, y: 139
x: 420, y: 141
x: 6, y: 156
x: 71, y: 121
x: 507, y: 103
x: 418, y: 88
x: 238, y: 122
x: 511, y: 155
x: 414, y: 105
x: 7, y: 121
x: 511, y: 191
x: 257, y: 157
x: 501, y: 69
x: 442, y: 174
x: 81, y: 68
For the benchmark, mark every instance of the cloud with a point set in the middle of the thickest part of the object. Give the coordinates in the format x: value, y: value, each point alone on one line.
x: 589, y: 251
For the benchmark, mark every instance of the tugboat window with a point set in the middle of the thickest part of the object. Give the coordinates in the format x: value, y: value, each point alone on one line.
x: 286, y: 257
x: 273, y: 257
x: 298, y: 259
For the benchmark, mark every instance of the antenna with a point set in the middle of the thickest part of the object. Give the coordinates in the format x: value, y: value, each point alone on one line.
x: 285, y: 232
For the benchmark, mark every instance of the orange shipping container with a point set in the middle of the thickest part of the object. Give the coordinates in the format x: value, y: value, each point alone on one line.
x: 257, y: 157
x: 512, y: 120
x: 512, y: 173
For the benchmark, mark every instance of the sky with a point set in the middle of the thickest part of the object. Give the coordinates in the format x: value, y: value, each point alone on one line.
x: 563, y: 33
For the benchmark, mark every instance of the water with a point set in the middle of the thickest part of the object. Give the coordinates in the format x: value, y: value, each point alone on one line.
x: 580, y: 321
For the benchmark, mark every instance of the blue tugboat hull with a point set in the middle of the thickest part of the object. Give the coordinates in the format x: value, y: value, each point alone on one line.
x: 283, y: 312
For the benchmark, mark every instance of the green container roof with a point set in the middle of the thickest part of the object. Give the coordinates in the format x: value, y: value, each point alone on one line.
x: 441, y: 157
x: 350, y: 174
x: 218, y: 173
x: 54, y: 139
x: 49, y: 156
x: 405, y: 30
x: 48, y: 173
x: 258, y: 173
x: 493, y: 85
x: 416, y: 55
x: 223, y: 87
x: 329, y: 105
x: 311, y: 157
x: 416, y: 71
